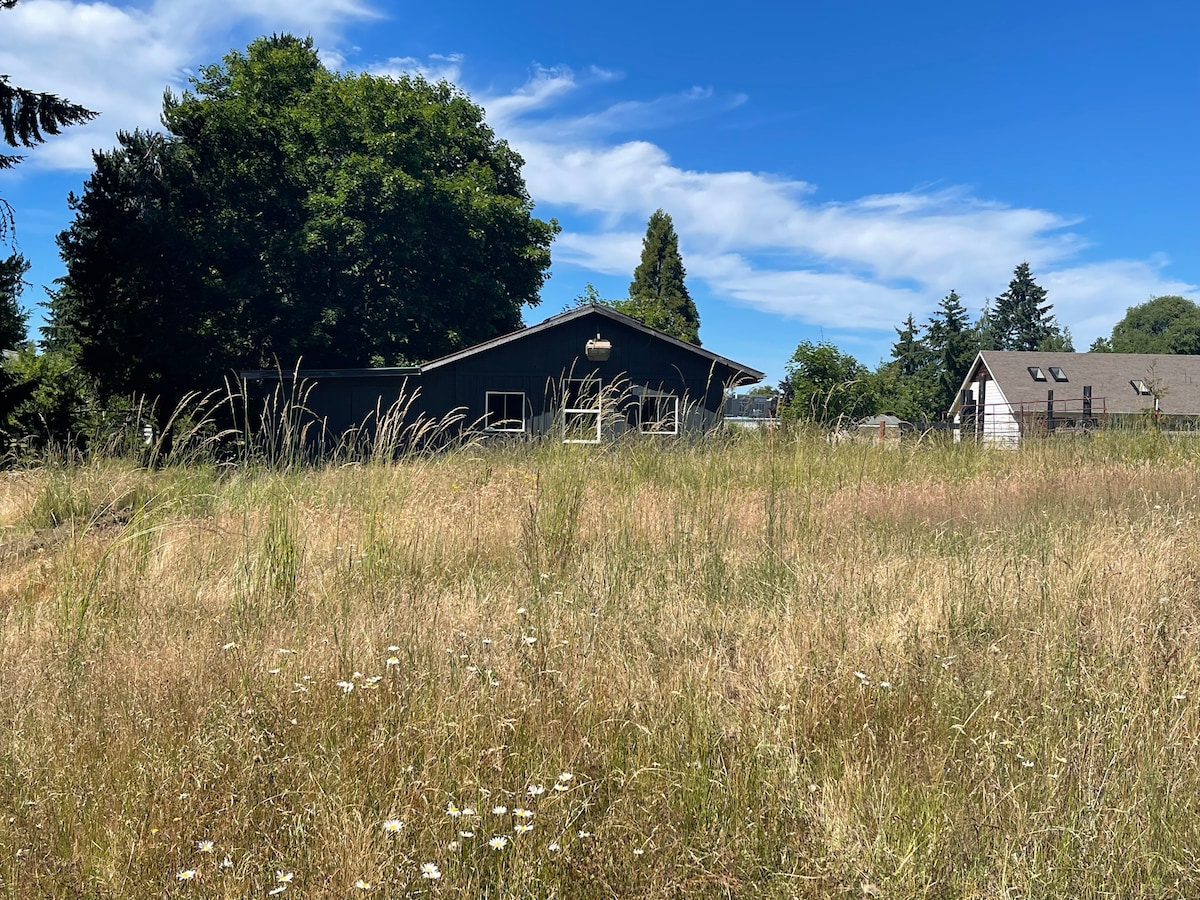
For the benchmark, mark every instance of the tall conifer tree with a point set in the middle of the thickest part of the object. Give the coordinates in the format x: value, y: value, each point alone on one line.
x: 12, y: 318
x: 658, y: 296
x: 26, y: 117
x: 1022, y: 318
x: 954, y: 343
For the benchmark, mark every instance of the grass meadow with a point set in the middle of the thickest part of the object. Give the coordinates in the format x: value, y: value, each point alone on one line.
x: 762, y: 667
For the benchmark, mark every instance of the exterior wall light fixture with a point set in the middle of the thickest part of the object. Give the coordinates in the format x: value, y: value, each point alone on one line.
x: 598, y: 349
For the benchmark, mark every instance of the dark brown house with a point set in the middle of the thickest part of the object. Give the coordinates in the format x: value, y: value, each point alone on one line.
x: 587, y: 373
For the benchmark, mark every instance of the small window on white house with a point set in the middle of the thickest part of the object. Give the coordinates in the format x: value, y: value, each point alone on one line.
x: 581, y: 410
x: 658, y: 414
x: 1036, y: 373
x: 1057, y: 373
x: 1140, y: 387
x: 505, y: 411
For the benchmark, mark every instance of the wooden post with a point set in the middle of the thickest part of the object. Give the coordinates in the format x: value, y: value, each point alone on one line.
x: 981, y: 409
x: 1049, y: 411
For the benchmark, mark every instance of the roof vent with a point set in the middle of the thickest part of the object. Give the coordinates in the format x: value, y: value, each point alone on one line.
x: 1036, y: 373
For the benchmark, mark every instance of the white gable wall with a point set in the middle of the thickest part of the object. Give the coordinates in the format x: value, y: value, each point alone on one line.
x: 1000, y: 426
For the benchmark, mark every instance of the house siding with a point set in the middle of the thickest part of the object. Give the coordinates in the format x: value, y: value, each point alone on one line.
x: 533, y: 362
x: 538, y: 365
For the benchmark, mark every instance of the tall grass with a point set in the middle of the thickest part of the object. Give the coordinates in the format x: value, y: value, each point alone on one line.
x: 770, y: 668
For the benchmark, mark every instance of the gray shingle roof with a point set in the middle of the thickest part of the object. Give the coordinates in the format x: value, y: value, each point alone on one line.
x: 1175, y: 379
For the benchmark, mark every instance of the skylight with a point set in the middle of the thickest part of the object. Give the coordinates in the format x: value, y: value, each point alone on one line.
x: 1036, y: 373
x: 1057, y: 373
x: 1140, y: 387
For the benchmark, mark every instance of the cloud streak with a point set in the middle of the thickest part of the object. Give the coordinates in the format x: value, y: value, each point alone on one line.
x: 761, y: 240
x: 118, y: 59
x: 764, y: 240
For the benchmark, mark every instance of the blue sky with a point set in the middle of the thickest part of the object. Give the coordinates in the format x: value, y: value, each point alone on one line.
x: 830, y: 166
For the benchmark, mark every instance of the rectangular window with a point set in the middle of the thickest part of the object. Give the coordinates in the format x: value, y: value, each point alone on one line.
x: 581, y: 410
x: 505, y: 411
x: 658, y: 414
x: 1057, y: 373
x: 1036, y: 373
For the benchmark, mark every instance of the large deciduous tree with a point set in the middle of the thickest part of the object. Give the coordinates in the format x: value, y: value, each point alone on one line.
x: 824, y: 386
x: 1167, y: 324
x: 658, y: 296
x: 290, y: 212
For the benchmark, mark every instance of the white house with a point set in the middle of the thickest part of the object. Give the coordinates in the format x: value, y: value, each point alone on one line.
x: 1008, y: 394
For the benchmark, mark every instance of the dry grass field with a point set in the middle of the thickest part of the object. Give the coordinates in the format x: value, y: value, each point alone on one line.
x: 764, y: 667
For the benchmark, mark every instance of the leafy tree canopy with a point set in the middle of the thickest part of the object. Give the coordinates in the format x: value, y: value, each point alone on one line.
x: 290, y: 212
x: 658, y: 296
x: 1167, y: 324
x: 825, y: 386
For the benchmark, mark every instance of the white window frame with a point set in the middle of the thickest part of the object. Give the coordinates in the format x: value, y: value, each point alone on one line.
x: 647, y: 427
x: 487, y: 409
x: 575, y: 413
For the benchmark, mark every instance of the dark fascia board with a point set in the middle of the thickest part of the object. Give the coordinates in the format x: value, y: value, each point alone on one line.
x: 284, y: 374
x: 744, y: 374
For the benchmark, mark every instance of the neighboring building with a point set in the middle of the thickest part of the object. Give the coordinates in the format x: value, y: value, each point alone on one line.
x: 586, y: 373
x: 1008, y: 395
x: 881, y: 429
x: 752, y: 410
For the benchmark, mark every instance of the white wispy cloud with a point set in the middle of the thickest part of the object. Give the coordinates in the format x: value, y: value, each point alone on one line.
x: 118, y: 59
x: 766, y: 241
x: 436, y: 67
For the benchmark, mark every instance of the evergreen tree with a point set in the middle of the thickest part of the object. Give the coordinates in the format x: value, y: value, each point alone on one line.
x: 12, y: 318
x: 987, y: 335
x: 909, y: 351
x: 26, y: 117
x: 658, y: 296
x: 906, y: 385
x: 1022, y: 318
x: 953, y: 344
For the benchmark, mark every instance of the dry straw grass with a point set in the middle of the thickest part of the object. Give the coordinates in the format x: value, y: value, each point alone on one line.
x: 759, y: 668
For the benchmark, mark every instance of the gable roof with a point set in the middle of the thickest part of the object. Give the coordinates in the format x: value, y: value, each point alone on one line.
x: 740, y: 374
x: 1175, y: 378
